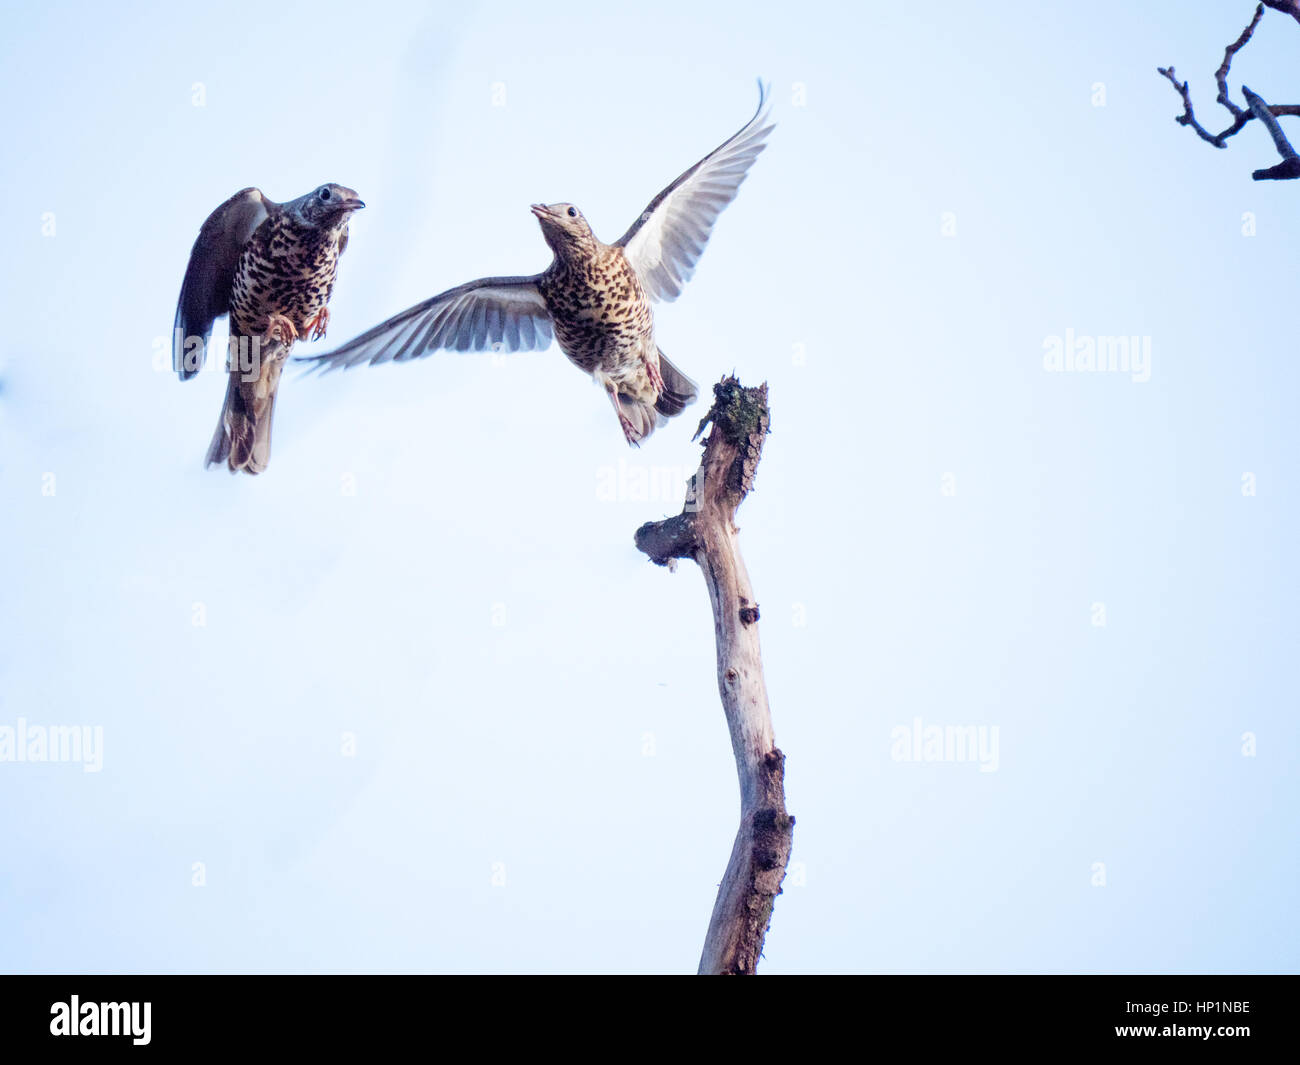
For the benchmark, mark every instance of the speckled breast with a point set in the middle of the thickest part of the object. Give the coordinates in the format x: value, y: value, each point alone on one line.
x: 600, y: 312
x: 284, y: 269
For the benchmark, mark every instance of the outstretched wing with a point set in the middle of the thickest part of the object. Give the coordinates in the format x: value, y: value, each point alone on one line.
x: 665, y: 243
x: 205, y: 292
x: 491, y: 314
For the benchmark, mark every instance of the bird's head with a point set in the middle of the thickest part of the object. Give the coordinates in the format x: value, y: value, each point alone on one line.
x: 329, y: 205
x: 564, y: 228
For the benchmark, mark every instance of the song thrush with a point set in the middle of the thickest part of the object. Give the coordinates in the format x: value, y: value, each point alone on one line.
x: 270, y: 266
x: 594, y: 297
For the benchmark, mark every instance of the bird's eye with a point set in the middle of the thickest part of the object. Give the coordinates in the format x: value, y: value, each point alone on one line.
x: 573, y: 212
x: 324, y: 194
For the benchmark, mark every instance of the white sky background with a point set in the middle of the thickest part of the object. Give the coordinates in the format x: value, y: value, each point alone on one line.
x: 894, y: 355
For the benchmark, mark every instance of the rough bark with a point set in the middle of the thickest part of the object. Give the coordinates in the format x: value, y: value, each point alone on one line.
x: 706, y: 532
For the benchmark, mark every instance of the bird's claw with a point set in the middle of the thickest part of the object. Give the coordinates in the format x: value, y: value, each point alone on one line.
x: 318, y: 324
x: 281, y: 328
x: 629, y: 430
x: 656, y: 378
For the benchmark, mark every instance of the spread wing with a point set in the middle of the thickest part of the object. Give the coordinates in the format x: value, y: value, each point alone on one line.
x: 490, y: 314
x: 665, y: 243
x: 205, y: 292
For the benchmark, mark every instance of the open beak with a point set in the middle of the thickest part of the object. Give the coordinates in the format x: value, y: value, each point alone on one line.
x: 540, y: 210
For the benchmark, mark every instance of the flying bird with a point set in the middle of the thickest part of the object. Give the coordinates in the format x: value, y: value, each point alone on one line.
x: 269, y: 266
x: 594, y: 298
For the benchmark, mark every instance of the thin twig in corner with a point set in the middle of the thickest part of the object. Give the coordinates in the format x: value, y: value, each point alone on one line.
x: 1240, y: 115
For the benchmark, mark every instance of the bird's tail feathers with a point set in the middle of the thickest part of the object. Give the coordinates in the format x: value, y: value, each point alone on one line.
x: 219, y: 449
x: 679, y: 390
x: 644, y: 418
x: 243, y: 436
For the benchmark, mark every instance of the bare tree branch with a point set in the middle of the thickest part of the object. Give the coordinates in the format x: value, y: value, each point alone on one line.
x: 1188, y: 117
x: 1289, y: 167
x: 1240, y: 115
x: 1221, y: 75
x: 1287, y: 7
x: 706, y: 531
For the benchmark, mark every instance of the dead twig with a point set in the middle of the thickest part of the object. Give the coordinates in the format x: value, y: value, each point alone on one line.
x: 1289, y: 167
x: 1241, y: 116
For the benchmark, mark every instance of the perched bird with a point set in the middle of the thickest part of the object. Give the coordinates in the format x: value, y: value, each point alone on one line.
x: 594, y: 297
x: 270, y: 266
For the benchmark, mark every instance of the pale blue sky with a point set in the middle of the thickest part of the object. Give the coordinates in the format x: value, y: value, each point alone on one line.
x: 476, y: 615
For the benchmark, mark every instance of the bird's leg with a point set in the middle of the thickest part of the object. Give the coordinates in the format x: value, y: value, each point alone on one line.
x: 629, y: 430
x: 317, y: 325
x: 652, y: 368
x: 281, y: 328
